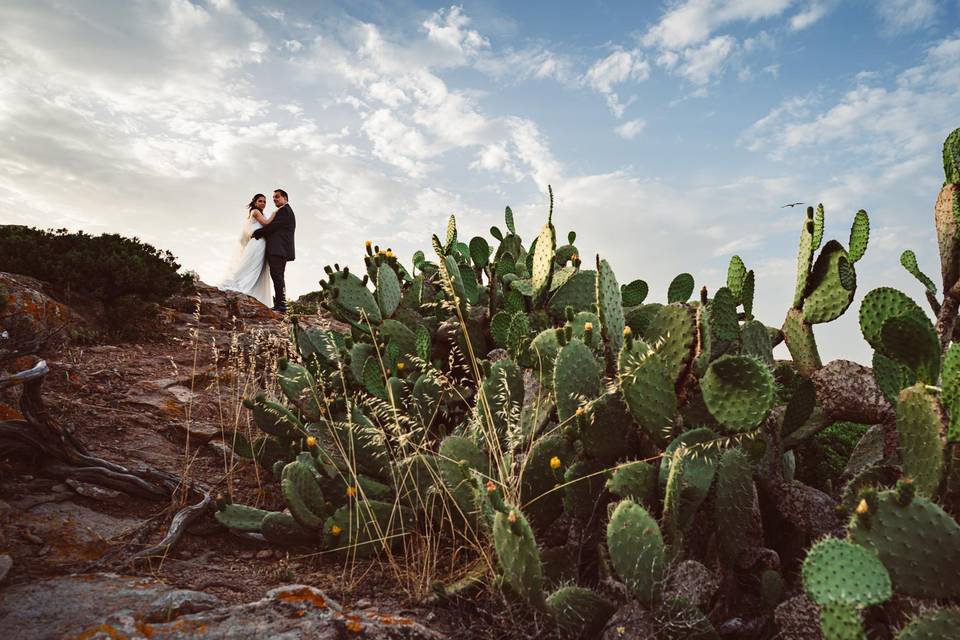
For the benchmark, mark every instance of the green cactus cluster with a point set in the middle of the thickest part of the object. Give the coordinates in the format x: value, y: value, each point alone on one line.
x: 595, y: 437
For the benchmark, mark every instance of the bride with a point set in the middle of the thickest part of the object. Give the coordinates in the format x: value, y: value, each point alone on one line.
x: 248, y: 271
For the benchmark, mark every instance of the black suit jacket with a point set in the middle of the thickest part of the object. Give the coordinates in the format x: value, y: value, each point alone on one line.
x: 279, y: 234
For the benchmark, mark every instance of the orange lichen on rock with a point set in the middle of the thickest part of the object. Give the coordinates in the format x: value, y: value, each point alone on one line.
x: 103, y: 628
x: 303, y: 595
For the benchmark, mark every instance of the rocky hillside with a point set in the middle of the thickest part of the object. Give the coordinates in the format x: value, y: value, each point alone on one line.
x: 68, y: 565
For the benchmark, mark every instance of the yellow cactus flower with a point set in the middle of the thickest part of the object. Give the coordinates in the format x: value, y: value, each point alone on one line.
x: 554, y: 463
x: 351, y: 492
x: 512, y: 517
x: 401, y: 366
x: 579, y: 411
x: 335, y: 530
x: 367, y: 244
x: 627, y: 331
x: 388, y: 253
x: 863, y: 507
x: 588, y: 326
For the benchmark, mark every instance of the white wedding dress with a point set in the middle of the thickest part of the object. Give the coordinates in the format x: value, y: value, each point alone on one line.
x: 248, y: 271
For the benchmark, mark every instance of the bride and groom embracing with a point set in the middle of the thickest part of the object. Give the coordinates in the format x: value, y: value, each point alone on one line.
x: 266, y: 245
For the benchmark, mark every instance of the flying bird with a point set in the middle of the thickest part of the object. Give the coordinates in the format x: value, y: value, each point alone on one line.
x: 792, y: 204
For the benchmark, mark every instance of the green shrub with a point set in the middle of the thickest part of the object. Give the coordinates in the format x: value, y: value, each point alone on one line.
x: 128, y: 276
x: 823, y: 457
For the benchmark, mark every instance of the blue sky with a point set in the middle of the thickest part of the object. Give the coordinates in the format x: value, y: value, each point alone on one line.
x: 671, y: 131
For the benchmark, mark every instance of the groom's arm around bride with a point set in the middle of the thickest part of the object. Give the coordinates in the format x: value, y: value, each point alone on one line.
x: 279, y: 236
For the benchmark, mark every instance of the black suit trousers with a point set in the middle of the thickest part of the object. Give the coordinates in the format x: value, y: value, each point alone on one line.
x: 277, y: 266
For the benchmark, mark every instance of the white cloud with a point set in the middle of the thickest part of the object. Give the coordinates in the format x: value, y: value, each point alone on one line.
x: 810, y: 15
x: 631, y: 129
x: 702, y: 64
x: 617, y: 68
x: 883, y: 124
x: 448, y: 28
x: 535, y: 62
x: 693, y: 21
x: 900, y: 16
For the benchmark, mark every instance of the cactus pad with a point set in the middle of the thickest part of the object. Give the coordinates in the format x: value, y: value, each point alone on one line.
x: 583, y: 489
x: 388, y: 290
x: 352, y: 298
x: 827, y: 297
x: 723, y: 316
x: 673, y: 334
x: 637, y: 550
x: 240, y: 517
x: 298, y: 385
x: 274, y: 418
x: 302, y: 493
x: 755, y: 341
x: 576, y: 378
x: 805, y: 256
x: 881, y: 304
x: 518, y: 555
x: 840, y: 572
x: 913, y: 342
x: 633, y: 294
x: 634, y: 480
x: 579, y: 612
x: 736, y: 273
x: 579, y: 292
x: 918, y: 434
x: 283, y: 530
x: 736, y: 510
x: 859, y: 235
x: 648, y: 390
x: 738, y: 392
x: 951, y: 391
x: 841, y: 622
x: 699, y: 467
x: 543, y: 264
x: 538, y: 478
x: 909, y: 261
x: 681, y: 288
x: 609, y: 305
x: 798, y: 334
x: 932, y: 625
x: 918, y: 543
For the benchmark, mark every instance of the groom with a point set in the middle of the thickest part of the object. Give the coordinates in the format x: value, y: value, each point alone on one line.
x: 279, y: 236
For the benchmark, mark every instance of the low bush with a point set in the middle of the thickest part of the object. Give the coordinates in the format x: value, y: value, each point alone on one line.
x: 129, y: 277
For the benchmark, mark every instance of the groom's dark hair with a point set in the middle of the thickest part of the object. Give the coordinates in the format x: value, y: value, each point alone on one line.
x: 283, y: 193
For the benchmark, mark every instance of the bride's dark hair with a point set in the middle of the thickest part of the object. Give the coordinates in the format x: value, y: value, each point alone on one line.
x: 253, y: 201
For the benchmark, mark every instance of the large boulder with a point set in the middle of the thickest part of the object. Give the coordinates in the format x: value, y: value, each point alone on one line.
x: 103, y: 605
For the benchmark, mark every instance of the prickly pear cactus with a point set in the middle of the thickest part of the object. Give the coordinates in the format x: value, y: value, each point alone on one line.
x: 518, y: 555
x: 577, y: 377
x: 609, y: 306
x: 918, y: 433
x: 736, y: 508
x: 917, y: 541
x: 932, y: 625
x: 579, y: 612
x: 738, y: 392
x: 637, y: 550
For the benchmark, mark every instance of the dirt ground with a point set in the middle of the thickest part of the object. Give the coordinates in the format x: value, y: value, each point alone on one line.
x: 169, y: 403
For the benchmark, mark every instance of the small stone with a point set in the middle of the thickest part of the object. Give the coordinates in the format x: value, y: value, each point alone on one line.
x: 179, y: 602
x: 247, y: 555
x: 264, y: 554
x: 93, y: 491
